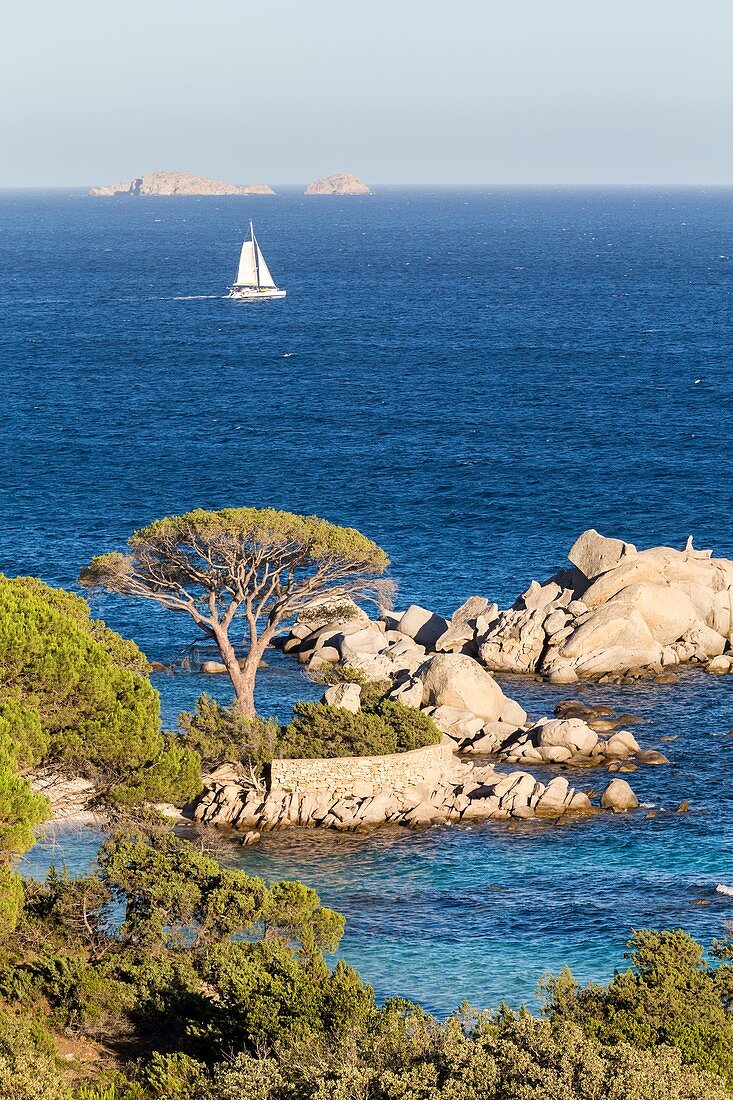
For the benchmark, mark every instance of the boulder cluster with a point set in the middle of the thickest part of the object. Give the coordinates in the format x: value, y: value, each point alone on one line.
x: 616, y: 612
x: 418, y: 654
x: 581, y: 737
x: 461, y: 792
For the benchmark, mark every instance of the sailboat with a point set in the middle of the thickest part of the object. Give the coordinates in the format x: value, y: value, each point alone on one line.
x: 254, y: 282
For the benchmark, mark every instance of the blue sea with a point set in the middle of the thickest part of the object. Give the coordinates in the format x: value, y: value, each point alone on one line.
x: 471, y: 377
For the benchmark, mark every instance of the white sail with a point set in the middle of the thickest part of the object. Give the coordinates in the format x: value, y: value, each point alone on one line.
x: 254, y: 281
x: 266, y: 279
x: 247, y: 271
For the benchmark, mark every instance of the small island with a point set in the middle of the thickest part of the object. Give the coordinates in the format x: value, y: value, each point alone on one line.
x: 341, y: 183
x: 178, y: 183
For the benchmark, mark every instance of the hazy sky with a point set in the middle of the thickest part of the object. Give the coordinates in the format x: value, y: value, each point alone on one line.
x: 456, y: 91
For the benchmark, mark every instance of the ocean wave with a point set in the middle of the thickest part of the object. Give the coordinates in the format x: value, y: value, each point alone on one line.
x: 727, y: 890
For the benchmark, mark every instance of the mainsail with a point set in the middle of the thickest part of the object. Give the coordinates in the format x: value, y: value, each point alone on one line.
x: 263, y: 271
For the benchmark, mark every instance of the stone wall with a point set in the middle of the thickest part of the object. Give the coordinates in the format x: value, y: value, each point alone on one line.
x: 394, y: 773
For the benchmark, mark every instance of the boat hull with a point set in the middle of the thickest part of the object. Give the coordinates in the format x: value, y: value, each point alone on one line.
x: 252, y: 294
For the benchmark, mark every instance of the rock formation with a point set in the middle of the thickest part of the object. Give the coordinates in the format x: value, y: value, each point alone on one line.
x: 425, y: 662
x: 341, y: 183
x: 415, y: 789
x: 616, y: 612
x: 178, y: 183
x: 257, y: 189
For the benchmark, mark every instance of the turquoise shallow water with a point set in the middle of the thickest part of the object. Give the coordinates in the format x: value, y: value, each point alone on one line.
x: 471, y: 377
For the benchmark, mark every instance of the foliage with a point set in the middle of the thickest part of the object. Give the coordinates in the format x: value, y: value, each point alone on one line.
x: 218, y: 733
x: 192, y: 934
x: 256, y: 564
x: 20, y: 810
x: 28, y: 1064
x: 217, y: 988
x: 176, y: 1077
x: 671, y: 995
x: 318, y: 730
x: 75, y: 696
x: 20, y: 807
x: 402, y: 1054
x: 11, y: 898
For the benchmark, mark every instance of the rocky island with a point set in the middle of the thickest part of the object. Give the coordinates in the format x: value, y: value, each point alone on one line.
x: 178, y: 183
x: 341, y: 183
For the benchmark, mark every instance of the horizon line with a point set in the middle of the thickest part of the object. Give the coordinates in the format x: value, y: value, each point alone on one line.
x: 422, y: 183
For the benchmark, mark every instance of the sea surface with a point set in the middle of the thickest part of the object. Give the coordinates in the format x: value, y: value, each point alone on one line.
x: 471, y: 377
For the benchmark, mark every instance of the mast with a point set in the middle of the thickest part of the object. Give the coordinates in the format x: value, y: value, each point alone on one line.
x: 254, y: 251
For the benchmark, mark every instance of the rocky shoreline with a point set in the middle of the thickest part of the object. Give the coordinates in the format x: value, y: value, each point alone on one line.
x: 439, y: 791
x: 617, y: 614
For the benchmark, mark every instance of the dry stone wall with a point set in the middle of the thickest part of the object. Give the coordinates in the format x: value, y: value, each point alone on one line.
x: 395, y: 772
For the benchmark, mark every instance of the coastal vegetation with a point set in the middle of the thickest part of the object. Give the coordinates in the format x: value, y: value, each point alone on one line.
x: 317, y: 730
x: 161, y: 975
x: 257, y: 566
x: 75, y: 699
x: 75, y: 696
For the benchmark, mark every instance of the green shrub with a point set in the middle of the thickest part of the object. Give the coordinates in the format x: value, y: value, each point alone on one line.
x: 218, y: 733
x: 401, y: 1053
x: 28, y: 1064
x: 413, y: 729
x: 318, y: 730
x: 217, y: 988
x: 177, y: 1077
x: 672, y: 995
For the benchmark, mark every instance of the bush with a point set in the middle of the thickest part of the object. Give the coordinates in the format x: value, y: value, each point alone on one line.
x: 671, y: 995
x: 28, y: 1067
x: 177, y: 1077
x: 318, y: 730
x: 400, y: 1053
x: 219, y: 733
x: 215, y: 987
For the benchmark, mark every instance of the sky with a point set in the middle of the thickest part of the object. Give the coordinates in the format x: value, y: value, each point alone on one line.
x: 397, y: 91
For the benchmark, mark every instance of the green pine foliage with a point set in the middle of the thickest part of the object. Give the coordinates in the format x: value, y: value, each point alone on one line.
x: 318, y: 730
x: 217, y: 733
x: 76, y: 696
x: 671, y: 995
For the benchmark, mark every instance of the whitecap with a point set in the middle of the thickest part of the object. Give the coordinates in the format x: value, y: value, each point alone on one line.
x: 727, y: 890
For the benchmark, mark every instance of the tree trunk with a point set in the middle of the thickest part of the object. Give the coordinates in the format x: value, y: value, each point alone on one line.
x: 248, y: 672
x: 243, y: 680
